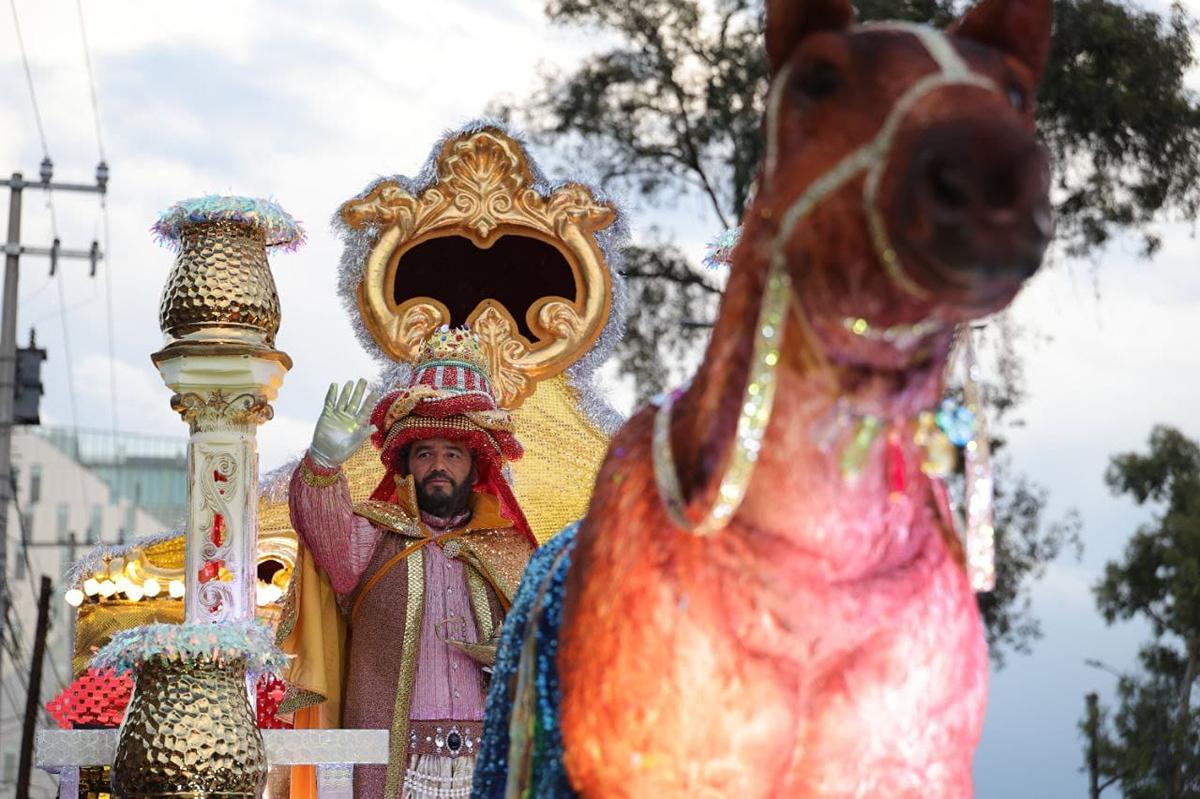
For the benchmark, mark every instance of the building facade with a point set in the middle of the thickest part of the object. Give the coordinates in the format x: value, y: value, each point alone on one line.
x: 75, y: 490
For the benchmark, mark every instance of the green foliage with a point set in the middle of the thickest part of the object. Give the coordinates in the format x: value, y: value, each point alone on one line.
x: 671, y: 105
x: 1026, y: 543
x: 676, y: 105
x: 669, y: 301
x: 1151, y: 745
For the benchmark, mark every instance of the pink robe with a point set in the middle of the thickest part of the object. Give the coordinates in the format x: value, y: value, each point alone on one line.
x: 397, y: 659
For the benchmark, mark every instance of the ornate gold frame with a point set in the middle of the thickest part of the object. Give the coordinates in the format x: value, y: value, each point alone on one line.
x: 484, y: 190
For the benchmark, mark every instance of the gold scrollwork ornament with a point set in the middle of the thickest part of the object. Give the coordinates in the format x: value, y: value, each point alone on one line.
x: 485, y: 189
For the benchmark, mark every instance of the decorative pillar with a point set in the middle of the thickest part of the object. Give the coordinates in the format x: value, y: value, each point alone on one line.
x: 190, y: 731
x: 219, y: 315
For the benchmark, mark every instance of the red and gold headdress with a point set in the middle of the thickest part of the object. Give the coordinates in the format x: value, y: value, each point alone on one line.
x: 450, y: 396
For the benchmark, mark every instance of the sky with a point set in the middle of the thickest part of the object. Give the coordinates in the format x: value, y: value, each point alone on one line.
x: 307, y: 104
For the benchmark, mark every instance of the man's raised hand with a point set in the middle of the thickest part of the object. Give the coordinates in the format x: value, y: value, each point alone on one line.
x: 345, y: 423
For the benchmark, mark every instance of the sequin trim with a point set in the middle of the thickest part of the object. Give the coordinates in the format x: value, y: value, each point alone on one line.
x: 388, y: 515
x: 398, y: 740
x: 752, y: 420
x: 316, y: 479
x: 298, y: 699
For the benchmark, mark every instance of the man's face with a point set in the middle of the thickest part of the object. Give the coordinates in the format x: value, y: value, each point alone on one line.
x: 443, y: 472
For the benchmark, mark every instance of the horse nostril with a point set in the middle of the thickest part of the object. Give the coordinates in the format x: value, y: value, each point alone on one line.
x: 949, y: 187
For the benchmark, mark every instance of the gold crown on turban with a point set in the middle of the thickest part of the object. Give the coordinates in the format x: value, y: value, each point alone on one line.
x: 449, y: 395
x: 454, y: 344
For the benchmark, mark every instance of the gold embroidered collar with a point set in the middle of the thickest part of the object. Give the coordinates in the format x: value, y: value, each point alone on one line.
x: 403, y: 517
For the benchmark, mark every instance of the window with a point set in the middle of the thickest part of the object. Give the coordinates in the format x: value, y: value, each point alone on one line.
x: 19, y: 569
x: 9, y: 774
x: 35, y: 483
x: 62, y: 519
x: 93, y: 530
x: 130, y: 521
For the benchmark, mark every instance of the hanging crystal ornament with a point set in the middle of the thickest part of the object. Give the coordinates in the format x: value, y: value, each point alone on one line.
x: 980, y: 496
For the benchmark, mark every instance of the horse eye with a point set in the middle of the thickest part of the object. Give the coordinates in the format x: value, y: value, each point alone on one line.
x: 1016, y: 97
x: 817, y: 80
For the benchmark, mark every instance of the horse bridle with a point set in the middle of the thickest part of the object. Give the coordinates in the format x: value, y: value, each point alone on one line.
x: 759, y: 396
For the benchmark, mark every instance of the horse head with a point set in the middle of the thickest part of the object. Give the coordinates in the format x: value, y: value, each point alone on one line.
x: 903, y: 185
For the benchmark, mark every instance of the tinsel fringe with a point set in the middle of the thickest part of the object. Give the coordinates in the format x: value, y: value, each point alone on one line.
x: 281, y: 230
x: 581, y: 376
x: 91, y: 562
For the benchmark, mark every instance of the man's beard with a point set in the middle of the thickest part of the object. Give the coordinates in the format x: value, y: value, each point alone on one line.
x: 445, y: 504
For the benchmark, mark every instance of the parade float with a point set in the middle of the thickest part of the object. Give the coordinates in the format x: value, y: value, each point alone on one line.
x: 478, y: 238
x: 768, y: 593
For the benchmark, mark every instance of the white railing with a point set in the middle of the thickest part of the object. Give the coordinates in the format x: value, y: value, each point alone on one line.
x: 333, y: 752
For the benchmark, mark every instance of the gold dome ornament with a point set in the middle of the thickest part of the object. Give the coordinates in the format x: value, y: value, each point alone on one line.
x: 189, y: 730
x: 220, y: 297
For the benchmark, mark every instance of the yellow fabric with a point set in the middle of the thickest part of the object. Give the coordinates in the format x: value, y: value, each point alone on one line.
x: 96, y: 623
x: 563, y: 453
x: 318, y: 642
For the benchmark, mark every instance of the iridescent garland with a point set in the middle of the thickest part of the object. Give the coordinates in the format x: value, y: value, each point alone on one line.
x: 252, y: 642
x: 277, y: 225
x: 720, y: 250
x: 530, y: 714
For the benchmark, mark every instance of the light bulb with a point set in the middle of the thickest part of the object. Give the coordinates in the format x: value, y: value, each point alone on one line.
x: 268, y: 593
x: 151, y: 587
x: 123, y: 584
x: 175, y: 589
x: 108, y: 588
x: 134, y: 593
x: 74, y: 597
x: 91, y: 586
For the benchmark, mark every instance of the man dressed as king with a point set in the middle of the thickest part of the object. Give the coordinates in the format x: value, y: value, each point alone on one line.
x: 426, y: 568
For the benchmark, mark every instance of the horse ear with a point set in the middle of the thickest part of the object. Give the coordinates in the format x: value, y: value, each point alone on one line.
x: 1020, y: 28
x: 789, y: 21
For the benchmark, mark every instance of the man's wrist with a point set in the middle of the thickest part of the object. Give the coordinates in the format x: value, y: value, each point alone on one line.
x: 316, y: 473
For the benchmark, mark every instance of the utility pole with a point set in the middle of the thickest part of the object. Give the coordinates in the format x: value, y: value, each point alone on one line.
x: 1092, y: 728
x: 34, y: 697
x: 8, y: 336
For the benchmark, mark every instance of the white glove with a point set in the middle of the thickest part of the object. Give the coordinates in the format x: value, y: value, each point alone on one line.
x: 344, y: 424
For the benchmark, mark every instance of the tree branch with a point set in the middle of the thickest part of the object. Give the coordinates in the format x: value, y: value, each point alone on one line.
x: 667, y: 75
x: 664, y: 274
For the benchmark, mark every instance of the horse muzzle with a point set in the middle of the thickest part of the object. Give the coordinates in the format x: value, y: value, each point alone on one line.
x: 974, y: 210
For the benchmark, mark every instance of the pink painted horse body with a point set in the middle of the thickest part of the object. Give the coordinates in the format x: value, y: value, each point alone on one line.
x: 826, y: 643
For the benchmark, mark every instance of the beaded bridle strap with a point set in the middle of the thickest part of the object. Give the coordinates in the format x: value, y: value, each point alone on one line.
x: 870, y: 159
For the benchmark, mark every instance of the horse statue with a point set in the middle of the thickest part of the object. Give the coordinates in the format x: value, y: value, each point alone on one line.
x: 765, y: 598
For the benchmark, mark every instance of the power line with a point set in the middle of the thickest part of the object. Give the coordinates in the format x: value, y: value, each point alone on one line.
x: 69, y: 361
x: 112, y: 354
x: 112, y: 359
x: 37, y: 113
x: 70, y: 308
x: 87, y: 59
x: 27, y: 536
